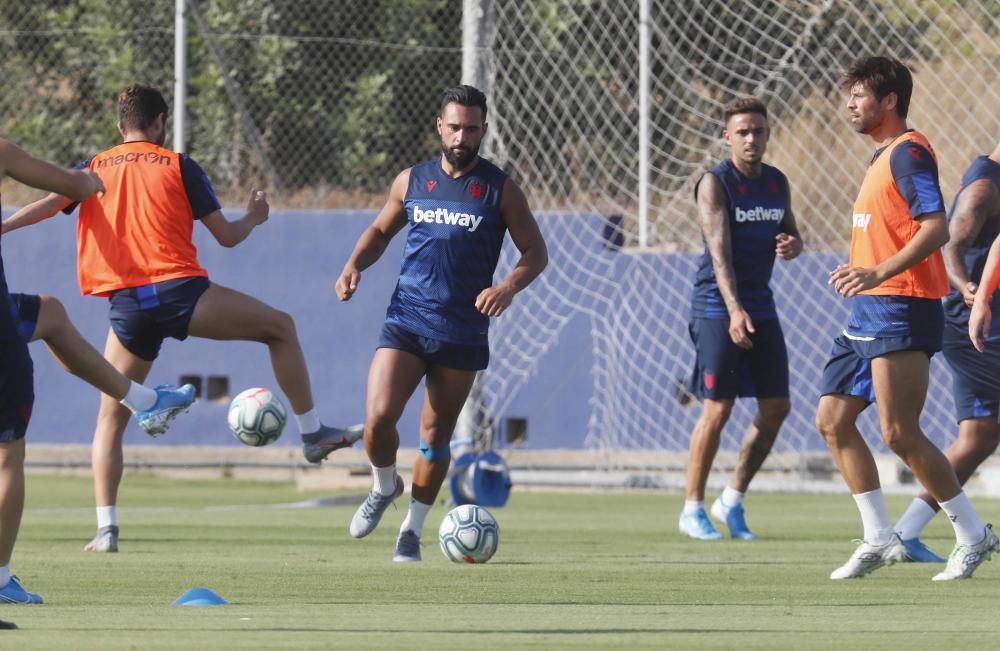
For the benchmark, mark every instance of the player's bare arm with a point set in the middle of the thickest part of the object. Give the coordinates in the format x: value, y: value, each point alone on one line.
x: 933, y: 234
x: 788, y: 242
x: 21, y: 166
x: 230, y: 233
x: 713, y: 215
x: 975, y: 205
x: 35, y: 212
x: 524, y: 232
x: 374, y: 240
x: 981, y: 317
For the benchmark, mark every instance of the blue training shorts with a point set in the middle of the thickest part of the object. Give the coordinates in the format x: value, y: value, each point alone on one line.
x: 433, y: 351
x: 142, y: 317
x: 723, y: 370
x: 975, y: 375
x: 26, y: 308
x: 849, y: 369
x: 17, y: 392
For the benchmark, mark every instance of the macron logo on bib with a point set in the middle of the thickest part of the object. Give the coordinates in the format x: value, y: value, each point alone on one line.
x: 447, y: 217
x: 760, y: 214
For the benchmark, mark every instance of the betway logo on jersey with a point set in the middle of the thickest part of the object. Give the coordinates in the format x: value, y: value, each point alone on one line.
x: 861, y: 220
x: 445, y: 216
x: 760, y: 214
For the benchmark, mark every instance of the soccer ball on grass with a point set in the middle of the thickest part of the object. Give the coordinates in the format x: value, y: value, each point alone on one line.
x: 469, y: 534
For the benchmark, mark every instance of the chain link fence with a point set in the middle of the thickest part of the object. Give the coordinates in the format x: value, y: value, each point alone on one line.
x: 323, y: 101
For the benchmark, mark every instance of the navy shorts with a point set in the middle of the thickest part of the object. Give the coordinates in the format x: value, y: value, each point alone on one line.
x: 142, y: 317
x: 433, y: 351
x: 25, y: 308
x: 723, y: 370
x: 975, y: 375
x: 17, y: 393
x: 849, y: 369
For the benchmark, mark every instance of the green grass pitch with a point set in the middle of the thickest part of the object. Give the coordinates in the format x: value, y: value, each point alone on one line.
x: 598, y: 571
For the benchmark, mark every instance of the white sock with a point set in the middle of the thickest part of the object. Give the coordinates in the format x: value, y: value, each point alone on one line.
x: 874, y: 517
x: 385, y: 479
x: 693, y: 506
x: 731, y: 497
x: 107, y: 516
x: 415, y: 517
x: 4, y: 575
x: 139, y: 397
x: 969, y: 529
x: 914, y: 519
x: 308, y: 422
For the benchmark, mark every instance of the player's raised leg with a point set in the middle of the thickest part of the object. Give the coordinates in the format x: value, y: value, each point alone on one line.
x: 153, y: 408
x: 757, y: 444
x: 447, y: 391
x: 392, y: 379
x: 106, y: 455
x: 226, y: 314
x: 701, y: 453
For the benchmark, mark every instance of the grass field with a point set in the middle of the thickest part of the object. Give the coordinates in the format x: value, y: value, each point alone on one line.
x: 599, y: 571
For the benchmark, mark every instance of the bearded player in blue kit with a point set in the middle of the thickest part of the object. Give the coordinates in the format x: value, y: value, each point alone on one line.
x: 458, y: 207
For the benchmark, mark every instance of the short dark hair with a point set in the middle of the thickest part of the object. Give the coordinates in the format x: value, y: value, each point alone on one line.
x: 139, y: 105
x: 743, y: 105
x: 465, y: 96
x: 882, y: 75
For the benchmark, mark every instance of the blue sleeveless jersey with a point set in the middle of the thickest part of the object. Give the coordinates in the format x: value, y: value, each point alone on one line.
x: 955, y: 310
x: 451, y: 252
x: 756, y: 210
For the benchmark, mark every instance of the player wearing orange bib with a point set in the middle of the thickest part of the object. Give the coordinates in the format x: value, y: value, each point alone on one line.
x: 134, y: 246
x: 896, y: 277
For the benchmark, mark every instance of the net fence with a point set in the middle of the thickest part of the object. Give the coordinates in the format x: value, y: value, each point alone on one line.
x: 326, y: 100
x: 567, y: 120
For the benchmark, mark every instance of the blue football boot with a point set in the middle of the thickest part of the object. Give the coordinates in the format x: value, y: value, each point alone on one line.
x: 698, y: 526
x: 13, y: 593
x: 917, y: 552
x: 734, y: 518
x: 169, y: 403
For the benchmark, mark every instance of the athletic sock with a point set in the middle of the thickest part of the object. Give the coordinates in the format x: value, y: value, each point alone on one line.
x: 4, y: 575
x: 139, y: 397
x: 107, y: 516
x: 308, y: 422
x: 385, y: 479
x: 914, y: 519
x: 969, y: 529
x: 874, y: 517
x: 693, y: 506
x: 415, y: 517
x: 731, y: 497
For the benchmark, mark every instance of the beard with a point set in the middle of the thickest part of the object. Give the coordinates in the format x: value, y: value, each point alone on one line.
x: 459, y: 157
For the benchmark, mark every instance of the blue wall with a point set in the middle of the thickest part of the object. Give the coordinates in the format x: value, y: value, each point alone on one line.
x: 292, y: 262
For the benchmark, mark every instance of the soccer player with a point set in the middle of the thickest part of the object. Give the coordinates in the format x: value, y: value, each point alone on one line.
x: 896, y: 276
x: 974, y: 226
x: 134, y: 246
x: 25, y: 317
x: 745, y: 210
x: 458, y: 206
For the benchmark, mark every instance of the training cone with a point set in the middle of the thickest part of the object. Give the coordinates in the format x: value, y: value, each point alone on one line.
x: 199, y: 597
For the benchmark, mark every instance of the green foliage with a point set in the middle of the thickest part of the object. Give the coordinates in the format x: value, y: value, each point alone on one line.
x: 340, y: 94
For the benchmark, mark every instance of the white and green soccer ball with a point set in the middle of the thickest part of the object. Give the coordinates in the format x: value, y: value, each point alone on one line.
x: 257, y: 417
x: 469, y: 534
